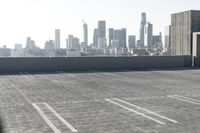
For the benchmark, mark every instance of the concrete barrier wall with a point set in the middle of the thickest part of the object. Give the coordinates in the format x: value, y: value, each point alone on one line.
x: 45, y: 64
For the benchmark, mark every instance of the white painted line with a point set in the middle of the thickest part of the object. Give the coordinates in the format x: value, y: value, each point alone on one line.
x: 185, y: 100
x: 51, y: 125
x: 61, y: 119
x: 136, y: 112
x: 22, y: 93
x: 55, y: 81
x: 148, y: 111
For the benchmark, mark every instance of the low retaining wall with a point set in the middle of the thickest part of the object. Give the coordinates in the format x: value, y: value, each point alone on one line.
x: 45, y: 64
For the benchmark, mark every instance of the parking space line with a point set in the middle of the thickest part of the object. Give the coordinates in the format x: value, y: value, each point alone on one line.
x: 184, y: 99
x: 136, y: 112
x: 191, y: 99
x: 61, y: 119
x: 148, y: 111
x: 51, y: 125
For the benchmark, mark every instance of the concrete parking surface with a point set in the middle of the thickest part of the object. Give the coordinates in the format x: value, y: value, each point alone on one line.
x: 159, y: 101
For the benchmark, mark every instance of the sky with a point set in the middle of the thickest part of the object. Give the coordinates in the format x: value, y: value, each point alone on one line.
x: 39, y: 18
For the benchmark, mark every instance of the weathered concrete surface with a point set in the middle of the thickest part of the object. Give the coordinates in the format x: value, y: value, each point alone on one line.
x: 92, y: 63
x: 183, y: 24
x: 80, y: 99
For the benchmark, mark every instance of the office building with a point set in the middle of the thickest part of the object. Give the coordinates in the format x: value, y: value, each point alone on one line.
x: 102, y: 43
x: 157, y: 41
x: 5, y: 52
x: 148, y: 36
x: 85, y: 34
x: 142, y: 29
x: 95, y: 38
x: 30, y: 44
x: 183, y: 24
x: 18, y: 46
x: 115, y: 43
x: 111, y: 36
x: 131, y: 41
x: 49, y: 48
x: 123, y: 38
x: 73, y: 43
x: 57, y: 39
x: 102, y: 29
x: 168, y: 39
x: 120, y: 35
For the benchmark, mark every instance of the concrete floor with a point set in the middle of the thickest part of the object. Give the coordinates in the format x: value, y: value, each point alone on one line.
x: 101, y: 102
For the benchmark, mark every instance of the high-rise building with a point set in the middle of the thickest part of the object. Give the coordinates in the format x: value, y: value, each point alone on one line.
x: 120, y: 35
x: 49, y: 48
x: 102, y: 43
x: 148, y: 35
x: 111, y: 36
x: 115, y: 43
x: 183, y: 24
x: 168, y: 38
x: 73, y: 43
x: 85, y: 34
x: 142, y: 29
x: 57, y: 39
x: 123, y: 37
x: 30, y: 44
x: 95, y: 38
x: 131, y: 41
x: 18, y: 46
x: 102, y: 29
x: 49, y: 45
x: 157, y: 41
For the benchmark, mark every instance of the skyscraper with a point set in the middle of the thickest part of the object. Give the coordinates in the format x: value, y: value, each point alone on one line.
x: 131, y: 41
x: 111, y: 36
x: 30, y: 44
x: 57, y: 39
x: 157, y: 41
x: 182, y: 26
x: 85, y: 34
x: 123, y: 33
x: 168, y: 38
x: 102, y: 29
x: 73, y: 43
x: 120, y: 35
x: 148, y: 35
x: 142, y: 29
x: 95, y: 38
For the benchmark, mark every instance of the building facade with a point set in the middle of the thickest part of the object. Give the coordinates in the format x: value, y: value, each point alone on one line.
x: 102, y: 29
x: 142, y: 29
x: 183, y: 24
x: 148, y: 36
x: 131, y: 41
x: 57, y: 39
x: 85, y: 34
x: 111, y: 36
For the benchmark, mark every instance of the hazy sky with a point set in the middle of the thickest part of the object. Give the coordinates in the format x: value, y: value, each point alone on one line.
x: 39, y: 18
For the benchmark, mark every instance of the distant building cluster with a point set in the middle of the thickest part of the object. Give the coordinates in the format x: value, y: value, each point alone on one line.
x: 116, y: 42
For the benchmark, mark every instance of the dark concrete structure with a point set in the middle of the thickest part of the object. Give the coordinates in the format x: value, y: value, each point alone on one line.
x: 182, y: 26
x: 91, y: 63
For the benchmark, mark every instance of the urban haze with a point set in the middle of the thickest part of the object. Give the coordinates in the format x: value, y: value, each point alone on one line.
x: 117, y: 66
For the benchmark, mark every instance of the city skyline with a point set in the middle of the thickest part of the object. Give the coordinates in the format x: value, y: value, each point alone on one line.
x: 39, y: 19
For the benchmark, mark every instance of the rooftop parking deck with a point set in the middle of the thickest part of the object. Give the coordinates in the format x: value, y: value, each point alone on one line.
x: 160, y: 101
